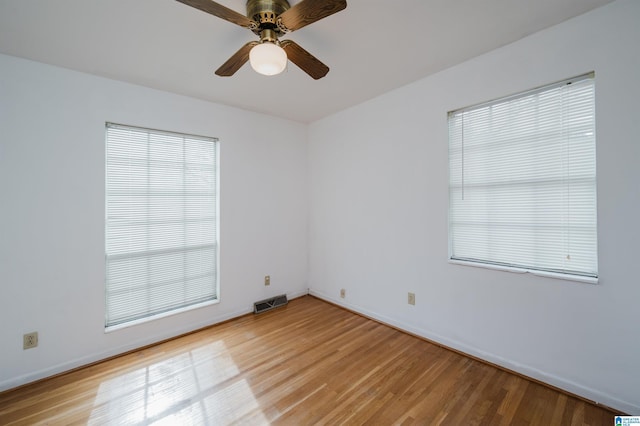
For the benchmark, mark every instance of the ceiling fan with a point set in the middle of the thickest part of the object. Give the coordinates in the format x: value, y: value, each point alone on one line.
x: 270, y: 19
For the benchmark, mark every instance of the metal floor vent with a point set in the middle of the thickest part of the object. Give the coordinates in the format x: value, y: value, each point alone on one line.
x: 268, y: 304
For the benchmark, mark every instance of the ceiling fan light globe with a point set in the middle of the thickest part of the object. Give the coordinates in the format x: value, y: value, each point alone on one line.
x: 268, y: 58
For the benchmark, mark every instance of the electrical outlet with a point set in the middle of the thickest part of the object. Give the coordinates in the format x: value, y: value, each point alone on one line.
x: 411, y: 299
x: 343, y: 293
x: 30, y: 340
x: 267, y: 280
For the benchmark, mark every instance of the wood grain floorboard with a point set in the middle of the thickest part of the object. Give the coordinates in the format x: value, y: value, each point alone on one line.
x: 309, y: 363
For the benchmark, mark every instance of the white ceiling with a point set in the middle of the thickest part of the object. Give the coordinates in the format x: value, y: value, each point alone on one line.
x: 372, y: 47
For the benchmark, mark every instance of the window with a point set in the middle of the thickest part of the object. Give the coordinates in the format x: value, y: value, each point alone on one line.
x: 522, y: 182
x: 161, y: 223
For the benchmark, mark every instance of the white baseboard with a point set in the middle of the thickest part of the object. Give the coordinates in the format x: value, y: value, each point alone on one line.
x: 99, y: 356
x: 558, y: 382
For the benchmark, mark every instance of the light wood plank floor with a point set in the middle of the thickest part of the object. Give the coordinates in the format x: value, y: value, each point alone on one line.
x: 307, y: 363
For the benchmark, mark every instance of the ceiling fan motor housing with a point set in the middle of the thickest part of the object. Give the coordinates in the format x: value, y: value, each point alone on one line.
x: 265, y: 13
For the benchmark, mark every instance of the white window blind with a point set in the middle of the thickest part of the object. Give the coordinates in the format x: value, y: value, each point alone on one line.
x: 161, y: 222
x: 522, y: 181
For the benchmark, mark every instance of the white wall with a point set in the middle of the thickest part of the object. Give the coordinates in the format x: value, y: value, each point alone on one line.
x: 378, y: 216
x: 52, y: 212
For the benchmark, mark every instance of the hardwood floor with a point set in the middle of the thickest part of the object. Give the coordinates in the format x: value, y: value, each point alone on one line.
x: 307, y: 363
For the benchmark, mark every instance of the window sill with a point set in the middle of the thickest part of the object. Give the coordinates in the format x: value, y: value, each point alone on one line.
x: 109, y: 329
x: 556, y: 275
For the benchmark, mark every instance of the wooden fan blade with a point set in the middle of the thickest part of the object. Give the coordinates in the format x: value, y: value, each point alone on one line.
x: 221, y: 11
x: 236, y: 61
x: 309, y: 11
x: 304, y: 60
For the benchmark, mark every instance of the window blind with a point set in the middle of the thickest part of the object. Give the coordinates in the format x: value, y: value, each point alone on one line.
x: 161, y: 222
x: 522, y: 181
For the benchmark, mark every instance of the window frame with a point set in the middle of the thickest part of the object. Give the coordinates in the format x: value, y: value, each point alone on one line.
x: 215, y: 197
x: 488, y: 264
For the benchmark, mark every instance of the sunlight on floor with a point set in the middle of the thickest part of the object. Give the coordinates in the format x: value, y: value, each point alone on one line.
x: 195, y: 387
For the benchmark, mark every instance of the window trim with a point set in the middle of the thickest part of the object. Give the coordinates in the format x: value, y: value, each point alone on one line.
x: 216, y: 164
x: 568, y: 276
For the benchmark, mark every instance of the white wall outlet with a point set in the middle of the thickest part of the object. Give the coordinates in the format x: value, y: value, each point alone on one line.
x: 411, y: 299
x: 30, y: 340
x: 267, y: 280
x: 343, y: 293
